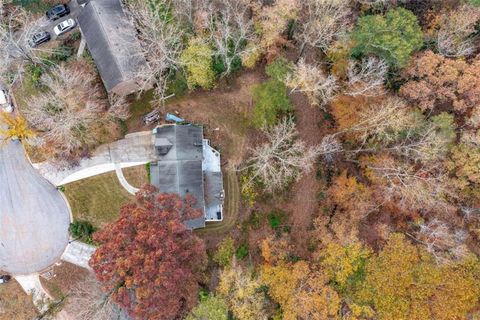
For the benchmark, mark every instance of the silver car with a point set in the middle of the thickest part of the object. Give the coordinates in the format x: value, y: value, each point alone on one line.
x: 64, y: 26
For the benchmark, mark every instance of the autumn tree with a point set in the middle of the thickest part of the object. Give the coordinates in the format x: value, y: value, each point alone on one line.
x: 225, y: 251
x: 198, y: 61
x: 436, y: 81
x: 241, y: 289
x: 301, y: 291
x: 148, y: 260
x: 17, y: 127
x: 456, y: 34
x: 211, y: 307
x: 353, y: 203
x: 404, y: 282
x: 322, y: 22
x: 393, y: 37
x: 464, y: 164
x: 271, y: 20
x: 344, y: 265
x: 312, y: 81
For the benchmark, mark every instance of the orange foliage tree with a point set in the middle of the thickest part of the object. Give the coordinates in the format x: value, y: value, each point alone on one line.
x: 148, y: 261
x: 436, y: 81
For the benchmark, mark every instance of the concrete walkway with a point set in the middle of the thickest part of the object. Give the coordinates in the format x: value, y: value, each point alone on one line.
x: 135, y: 149
x: 31, y: 285
x: 78, y: 253
x: 127, y: 186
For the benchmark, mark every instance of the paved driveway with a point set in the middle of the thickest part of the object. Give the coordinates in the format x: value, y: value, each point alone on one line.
x: 34, y: 218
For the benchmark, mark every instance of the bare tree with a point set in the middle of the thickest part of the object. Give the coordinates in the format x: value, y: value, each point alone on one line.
x: 231, y: 28
x: 87, y: 301
x: 161, y: 40
x: 442, y: 241
x: 411, y: 186
x: 456, y: 38
x: 322, y: 23
x: 367, y: 77
x: 17, y: 26
x: 65, y: 112
x: 282, y: 159
x: 312, y: 81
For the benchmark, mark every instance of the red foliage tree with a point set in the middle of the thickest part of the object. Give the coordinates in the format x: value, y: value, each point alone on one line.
x: 148, y: 261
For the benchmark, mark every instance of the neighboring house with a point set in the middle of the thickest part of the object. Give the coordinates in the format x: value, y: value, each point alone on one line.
x: 187, y: 164
x: 112, y: 42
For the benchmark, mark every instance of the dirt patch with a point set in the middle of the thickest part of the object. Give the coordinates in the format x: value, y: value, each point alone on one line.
x: 65, y: 277
x: 15, y: 304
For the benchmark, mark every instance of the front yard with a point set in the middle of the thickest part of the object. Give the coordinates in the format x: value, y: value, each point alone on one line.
x: 98, y: 199
x: 15, y: 304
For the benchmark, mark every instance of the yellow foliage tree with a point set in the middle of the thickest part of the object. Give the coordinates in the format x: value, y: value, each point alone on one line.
x: 17, y: 127
x: 198, y: 60
x: 241, y: 291
x: 404, y: 282
x: 344, y: 265
x: 301, y: 291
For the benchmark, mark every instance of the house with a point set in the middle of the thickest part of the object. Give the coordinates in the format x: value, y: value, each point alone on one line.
x: 112, y: 42
x: 188, y: 165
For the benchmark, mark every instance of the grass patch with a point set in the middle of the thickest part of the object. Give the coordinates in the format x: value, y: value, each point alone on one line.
x: 98, y: 199
x: 139, y: 108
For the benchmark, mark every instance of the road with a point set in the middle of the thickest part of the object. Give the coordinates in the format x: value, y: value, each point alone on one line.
x: 45, y: 25
x: 34, y: 217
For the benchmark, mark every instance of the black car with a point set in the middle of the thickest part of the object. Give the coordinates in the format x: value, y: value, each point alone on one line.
x: 39, y: 38
x: 57, y: 12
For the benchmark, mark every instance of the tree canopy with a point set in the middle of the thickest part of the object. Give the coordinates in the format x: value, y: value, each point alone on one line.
x: 148, y: 260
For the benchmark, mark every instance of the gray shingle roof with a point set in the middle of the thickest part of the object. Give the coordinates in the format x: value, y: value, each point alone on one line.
x: 180, y: 170
x: 112, y: 41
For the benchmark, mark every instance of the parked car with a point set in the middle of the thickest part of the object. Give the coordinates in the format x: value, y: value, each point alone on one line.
x: 64, y: 26
x: 5, y: 278
x: 5, y: 104
x: 39, y: 38
x: 57, y: 12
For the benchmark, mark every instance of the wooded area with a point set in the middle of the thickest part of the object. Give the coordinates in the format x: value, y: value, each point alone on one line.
x: 355, y: 137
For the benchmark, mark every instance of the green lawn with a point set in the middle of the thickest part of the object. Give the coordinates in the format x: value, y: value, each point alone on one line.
x: 98, y: 199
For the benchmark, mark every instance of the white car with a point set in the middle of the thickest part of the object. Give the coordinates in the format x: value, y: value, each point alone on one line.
x: 64, y: 26
x: 5, y: 104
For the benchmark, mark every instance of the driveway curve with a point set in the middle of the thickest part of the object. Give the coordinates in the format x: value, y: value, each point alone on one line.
x: 34, y: 217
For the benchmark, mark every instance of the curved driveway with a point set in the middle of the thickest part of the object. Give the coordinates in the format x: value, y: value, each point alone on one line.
x: 34, y: 217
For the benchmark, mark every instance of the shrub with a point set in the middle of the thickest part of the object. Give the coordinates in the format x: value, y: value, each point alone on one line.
x: 393, y: 37
x: 242, y: 252
x: 279, y: 68
x: 82, y: 230
x: 225, y: 252
x: 34, y: 73
x: 271, y: 101
x: 178, y: 84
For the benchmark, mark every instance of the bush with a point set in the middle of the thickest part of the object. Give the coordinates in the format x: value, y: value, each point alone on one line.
x: 271, y: 102
x: 34, y: 73
x: 82, y: 230
x: 393, y: 37
x: 279, y: 69
x: 242, y: 252
x: 61, y: 54
x: 225, y: 252
x: 178, y: 84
